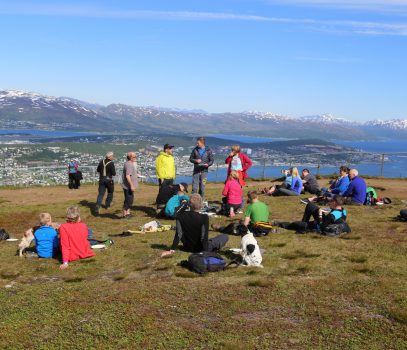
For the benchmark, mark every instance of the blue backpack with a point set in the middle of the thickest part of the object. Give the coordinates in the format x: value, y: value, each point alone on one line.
x: 205, y: 262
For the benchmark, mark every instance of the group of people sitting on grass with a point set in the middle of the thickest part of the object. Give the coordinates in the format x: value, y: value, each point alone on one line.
x: 68, y: 242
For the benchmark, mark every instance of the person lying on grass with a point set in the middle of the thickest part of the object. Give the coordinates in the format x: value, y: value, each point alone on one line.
x: 46, y: 237
x: 323, y: 218
x: 74, y: 238
x: 192, y: 230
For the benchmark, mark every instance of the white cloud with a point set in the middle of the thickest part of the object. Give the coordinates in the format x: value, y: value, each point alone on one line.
x: 330, y: 26
x: 387, y: 6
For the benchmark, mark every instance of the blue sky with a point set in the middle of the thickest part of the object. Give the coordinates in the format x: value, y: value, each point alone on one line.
x: 292, y: 57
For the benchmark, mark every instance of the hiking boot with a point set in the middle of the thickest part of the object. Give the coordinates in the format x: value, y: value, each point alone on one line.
x: 96, y: 211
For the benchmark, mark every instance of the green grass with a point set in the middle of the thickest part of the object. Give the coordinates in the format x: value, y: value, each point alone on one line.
x: 314, y: 292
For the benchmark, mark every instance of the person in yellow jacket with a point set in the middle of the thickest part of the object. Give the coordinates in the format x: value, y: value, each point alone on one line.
x: 165, y: 166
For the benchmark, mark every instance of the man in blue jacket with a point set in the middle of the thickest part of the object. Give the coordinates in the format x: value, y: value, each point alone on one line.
x: 202, y: 158
x: 356, y: 192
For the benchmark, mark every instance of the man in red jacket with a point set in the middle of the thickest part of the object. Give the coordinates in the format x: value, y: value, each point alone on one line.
x: 238, y: 162
x: 74, y: 238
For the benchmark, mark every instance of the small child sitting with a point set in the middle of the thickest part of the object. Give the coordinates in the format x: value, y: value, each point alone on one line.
x: 46, y: 237
x: 176, y: 204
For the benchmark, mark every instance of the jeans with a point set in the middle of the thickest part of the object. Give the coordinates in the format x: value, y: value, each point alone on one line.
x: 198, y: 182
x: 284, y: 192
x: 217, y: 243
x: 105, y: 184
x: 128, y: 199
x: 310, y: 189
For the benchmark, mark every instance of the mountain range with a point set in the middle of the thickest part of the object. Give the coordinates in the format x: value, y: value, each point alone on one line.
x: 21, y: 109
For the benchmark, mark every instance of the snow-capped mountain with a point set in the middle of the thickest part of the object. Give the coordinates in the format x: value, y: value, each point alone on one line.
x: 395, y: 124
x: 328, y: 119
x: 25, y: 109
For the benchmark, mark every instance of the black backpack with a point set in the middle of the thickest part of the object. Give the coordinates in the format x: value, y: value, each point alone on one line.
x: 205, y: 262
x: 4, y: 235
x: 336, y: 229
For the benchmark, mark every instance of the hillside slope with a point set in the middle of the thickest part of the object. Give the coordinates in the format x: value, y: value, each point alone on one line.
x: 313, y: 293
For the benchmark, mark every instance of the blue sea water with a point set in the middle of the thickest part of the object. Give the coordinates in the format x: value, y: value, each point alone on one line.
x: 44, y: 133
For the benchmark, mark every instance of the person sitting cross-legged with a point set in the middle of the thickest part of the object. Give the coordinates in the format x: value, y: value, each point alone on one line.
x: 335, y: 215
x: 192, y: 230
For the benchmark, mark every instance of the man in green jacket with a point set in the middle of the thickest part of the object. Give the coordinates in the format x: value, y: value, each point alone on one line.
x: 165, y: 166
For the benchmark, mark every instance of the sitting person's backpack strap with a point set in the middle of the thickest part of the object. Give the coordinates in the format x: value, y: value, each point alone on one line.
x: 261, y: 228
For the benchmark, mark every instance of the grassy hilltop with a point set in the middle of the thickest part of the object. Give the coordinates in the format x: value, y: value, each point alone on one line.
x: 313, y: 293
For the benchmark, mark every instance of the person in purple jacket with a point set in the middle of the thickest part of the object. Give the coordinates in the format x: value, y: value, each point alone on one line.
x: 295, y: 188
x: 356, y: 192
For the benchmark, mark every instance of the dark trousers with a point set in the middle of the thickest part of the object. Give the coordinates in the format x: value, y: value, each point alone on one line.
x: 72, y: 181
x: 217, y: 243
x: 310, y: 189
x: 128, y: 199
x: 311, y: 210
x: 165, y: 182
x: 105, y: 184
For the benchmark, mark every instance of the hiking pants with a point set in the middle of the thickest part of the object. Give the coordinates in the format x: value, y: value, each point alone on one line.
x: 217, y: 243
x: 128, y: 199
x: 198, y: 182
x: 72, y: 181
x: 310, y: 189
x: 105, y: 183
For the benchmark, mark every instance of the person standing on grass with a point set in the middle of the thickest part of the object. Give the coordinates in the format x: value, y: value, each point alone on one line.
x: 129, y: 183
x: 202, y: 158
x: 107, y: 171
x: 192, y: 230
x: 238, y: 162
x: 73, y: 166
x: 165, y: 166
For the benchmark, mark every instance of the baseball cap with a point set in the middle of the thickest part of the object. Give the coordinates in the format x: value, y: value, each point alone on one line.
x: 168, y: 146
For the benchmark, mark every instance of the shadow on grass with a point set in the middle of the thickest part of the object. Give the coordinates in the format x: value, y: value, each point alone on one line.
x: 159, y: 246
x: 299, y: 254
x: 149, y: 211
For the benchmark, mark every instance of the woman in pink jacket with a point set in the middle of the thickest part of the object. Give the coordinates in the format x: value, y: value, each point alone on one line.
x: 238, y: 162
x: 232, y: 194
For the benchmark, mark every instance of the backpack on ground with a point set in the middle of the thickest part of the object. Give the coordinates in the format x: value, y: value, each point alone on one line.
x: 336, y: 229
x: 205, y: 262
x: 371, y: 196
x: 261, y: 228
x: 403, y: 215
x: 4, y: 235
